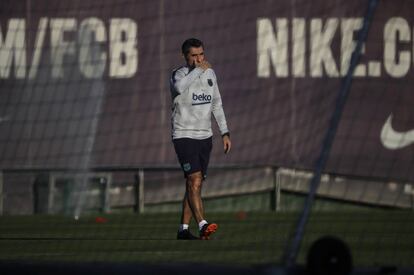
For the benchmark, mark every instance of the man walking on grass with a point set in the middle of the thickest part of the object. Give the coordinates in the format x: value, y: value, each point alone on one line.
x: 196, y: 97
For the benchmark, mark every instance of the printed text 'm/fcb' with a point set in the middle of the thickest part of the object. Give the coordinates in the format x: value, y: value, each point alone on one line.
x: 90, y: 43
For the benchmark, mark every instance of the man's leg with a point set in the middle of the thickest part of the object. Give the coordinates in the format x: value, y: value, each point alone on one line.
x: 184, y: 232
x: 186, y: 150
x: 194, y: 183
x: 193, y: 193
x: 186, y: 211
x: 193, y: 190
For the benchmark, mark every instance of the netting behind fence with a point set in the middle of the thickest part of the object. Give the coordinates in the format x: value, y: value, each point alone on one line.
x: 84, y: 91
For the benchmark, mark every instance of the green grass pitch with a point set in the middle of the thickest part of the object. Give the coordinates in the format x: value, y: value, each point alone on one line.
x: 374, y: 237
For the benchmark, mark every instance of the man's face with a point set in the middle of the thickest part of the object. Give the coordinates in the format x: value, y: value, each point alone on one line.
x: 195, y: 56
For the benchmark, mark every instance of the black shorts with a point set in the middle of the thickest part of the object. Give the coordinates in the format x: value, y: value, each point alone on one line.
x: 193, y: 154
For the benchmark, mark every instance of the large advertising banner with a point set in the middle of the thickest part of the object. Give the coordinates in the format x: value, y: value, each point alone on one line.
x: 86, y: 83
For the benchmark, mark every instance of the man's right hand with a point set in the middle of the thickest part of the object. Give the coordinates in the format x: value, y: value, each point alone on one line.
x: 203, y: 65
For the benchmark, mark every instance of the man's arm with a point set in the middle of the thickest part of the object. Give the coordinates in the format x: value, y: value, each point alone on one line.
x: 180, y: 81
x: 218, y: 113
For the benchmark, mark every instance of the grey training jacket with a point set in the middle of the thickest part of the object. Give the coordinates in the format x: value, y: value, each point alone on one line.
x: 195, y: 97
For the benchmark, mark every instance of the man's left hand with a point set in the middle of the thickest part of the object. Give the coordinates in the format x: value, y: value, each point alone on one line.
x: 226, y: 144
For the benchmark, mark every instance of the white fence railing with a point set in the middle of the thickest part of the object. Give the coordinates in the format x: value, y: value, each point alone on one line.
x: 57, y: 190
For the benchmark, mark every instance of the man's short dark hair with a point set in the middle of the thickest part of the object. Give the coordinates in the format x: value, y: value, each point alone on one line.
x: 191, y: 42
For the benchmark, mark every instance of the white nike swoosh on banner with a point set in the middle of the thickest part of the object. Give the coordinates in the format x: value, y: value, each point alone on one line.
x: 392, y: 139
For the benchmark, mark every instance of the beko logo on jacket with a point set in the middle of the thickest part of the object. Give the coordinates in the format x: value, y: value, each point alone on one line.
x: 201, y: 99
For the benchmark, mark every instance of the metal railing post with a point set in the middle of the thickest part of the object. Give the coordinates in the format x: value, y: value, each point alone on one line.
x: 139, y: 191
x: 51, y: 193
x: 276, y: 189
x: 1, y: 193
x: 107, y: 200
